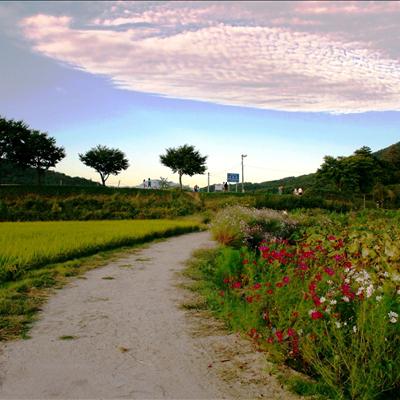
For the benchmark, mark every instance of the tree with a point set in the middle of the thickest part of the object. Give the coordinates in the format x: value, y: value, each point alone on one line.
x: 14, y: 136
x: 24, y: 147
x: 184, y: 160
x: 357, y: 173
x: 43, y: 153
x: 105, y: 161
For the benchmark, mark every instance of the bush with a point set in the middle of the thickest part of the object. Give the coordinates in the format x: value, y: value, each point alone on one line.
x: 237, y: 226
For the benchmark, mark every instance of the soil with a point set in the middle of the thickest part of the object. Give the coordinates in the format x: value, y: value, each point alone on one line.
x: 120, y: 333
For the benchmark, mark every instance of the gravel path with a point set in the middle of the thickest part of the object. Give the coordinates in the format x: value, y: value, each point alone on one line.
x: 116, y: 334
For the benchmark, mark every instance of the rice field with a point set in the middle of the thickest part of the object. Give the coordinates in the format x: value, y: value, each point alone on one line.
x: 28, y: 245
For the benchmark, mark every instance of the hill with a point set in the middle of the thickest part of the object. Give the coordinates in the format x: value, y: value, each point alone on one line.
x: 12, y: 175
x: 390, y: 155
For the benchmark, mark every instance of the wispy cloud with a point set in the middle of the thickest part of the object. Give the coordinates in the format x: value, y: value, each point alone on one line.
x: 247, y: 54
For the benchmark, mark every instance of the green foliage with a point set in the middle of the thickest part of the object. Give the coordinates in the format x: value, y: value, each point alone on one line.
x: 356, y: 173
x: 184, y: 160
x: 105, y: 161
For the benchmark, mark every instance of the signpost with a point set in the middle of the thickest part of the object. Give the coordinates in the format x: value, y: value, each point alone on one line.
x: 232, y: 178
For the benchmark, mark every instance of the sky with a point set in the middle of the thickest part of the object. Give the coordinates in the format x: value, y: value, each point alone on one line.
x: 284, y: 83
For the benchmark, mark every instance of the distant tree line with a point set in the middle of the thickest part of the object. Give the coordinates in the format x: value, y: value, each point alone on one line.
x: 25, y: 147
x: 361, y: 173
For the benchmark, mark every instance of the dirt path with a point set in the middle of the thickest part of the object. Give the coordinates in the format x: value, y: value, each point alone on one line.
x: 119, y: 334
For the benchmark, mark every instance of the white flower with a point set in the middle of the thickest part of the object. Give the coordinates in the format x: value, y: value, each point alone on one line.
x: 378, y: 298
x: 329, y: 282
x: 393, y: 317
x: 370, y: 290
x: 360, y: 290
x: 386, y: 274
x: 338, y: 324
x: 333, y: 302
x: 346, y: 299
x: 322, y: 299
x: 354, y: 329
x: 328, y: 310
x: 398, y: 291
x: 347, y: 280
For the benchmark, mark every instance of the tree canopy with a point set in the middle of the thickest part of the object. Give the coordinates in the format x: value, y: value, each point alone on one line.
x: 356, y: 173
x: 105, y: 161
x: 184, y: 160
x: 25, y: 147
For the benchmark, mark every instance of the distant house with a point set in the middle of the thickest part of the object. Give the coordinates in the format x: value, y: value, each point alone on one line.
x: 156, y: 184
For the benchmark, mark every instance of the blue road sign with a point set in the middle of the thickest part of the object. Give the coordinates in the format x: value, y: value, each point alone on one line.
x: 232, y: 177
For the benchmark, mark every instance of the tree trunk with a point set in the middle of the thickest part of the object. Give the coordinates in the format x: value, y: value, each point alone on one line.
x: 40, y: 175
x: 180, y: 180
x: 103, y: 181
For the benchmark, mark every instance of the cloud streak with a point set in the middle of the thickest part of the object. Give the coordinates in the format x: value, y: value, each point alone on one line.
x: 227, y: 55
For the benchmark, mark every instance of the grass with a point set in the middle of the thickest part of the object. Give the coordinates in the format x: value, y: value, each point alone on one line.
x: 29, y: 245
x: 43, y: 256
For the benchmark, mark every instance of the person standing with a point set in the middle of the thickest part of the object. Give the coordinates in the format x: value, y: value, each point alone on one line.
x: 144, y: 183
x: 148, y: 183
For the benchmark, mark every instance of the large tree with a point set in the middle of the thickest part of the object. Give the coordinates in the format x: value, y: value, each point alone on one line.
x: 105, y: 161
x: 14, y: 137
x: 24, y: 147
x: 356, y: 173
x: 44, y: 153
x: 184, y: 160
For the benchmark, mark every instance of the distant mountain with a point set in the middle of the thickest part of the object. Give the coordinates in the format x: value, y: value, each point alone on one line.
x: 390, y: 154
x: 12, y: 175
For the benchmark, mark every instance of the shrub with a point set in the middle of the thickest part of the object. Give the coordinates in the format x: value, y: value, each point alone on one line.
x: 237, y: 226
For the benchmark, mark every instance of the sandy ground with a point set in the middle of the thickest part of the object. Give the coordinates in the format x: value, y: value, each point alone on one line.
x: 120, y: 334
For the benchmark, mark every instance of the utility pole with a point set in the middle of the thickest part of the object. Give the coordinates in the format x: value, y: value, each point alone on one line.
x: 208, y: 180
x: 243, y: 156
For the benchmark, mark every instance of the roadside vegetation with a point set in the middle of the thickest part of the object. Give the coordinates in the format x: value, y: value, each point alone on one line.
x: 35, y: 256
x: 319, y: 292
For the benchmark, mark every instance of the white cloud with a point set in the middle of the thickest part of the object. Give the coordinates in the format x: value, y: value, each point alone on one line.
x: 215, y: 53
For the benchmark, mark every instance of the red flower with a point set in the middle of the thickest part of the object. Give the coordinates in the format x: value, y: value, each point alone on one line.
x: 270, y: 339
x: 237, y: 285
x: 329, y: 271
x: 316, y: 315
x: 316, y: 301
x: 222, y: 293
x: 249, y: 299
x: 279, y: 284
x: 270, y: 291
x: 245, y: 262
x: 286, y: 279
x: 279, y: 336
x: 226, y: 280
x: 291, y: 332
x: 295, y: 314
x: 257, y: 286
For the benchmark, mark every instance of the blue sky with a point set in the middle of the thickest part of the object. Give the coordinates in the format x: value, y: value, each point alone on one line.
x: 143, y: 76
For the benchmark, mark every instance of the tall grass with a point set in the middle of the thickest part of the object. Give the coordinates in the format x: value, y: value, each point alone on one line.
x: 28, y: 245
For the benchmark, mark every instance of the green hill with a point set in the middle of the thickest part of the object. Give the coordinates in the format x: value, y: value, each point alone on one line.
x: 390, y: 155
x: 12, y: 175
